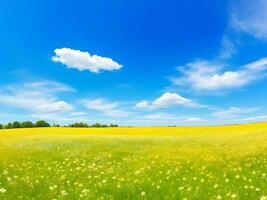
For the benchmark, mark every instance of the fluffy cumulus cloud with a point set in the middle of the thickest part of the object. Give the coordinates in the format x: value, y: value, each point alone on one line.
x: 250, y: 17
x: 39, y: 96
x: 204, y: 75
x: 168, y: 99
x: 40, y: 100
x: 108, y: 108
x: 81, y: 60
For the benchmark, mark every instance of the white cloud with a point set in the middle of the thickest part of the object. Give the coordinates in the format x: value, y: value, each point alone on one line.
x: 245, y: 17
x: 166, y: 100
x: 143, y: 104
x: 213, y: 76
x: 48, y: 86
x: 250, y: 17
x: 166, y: 119
x: 38, y: 97
x: 84, y: 61
x: 57, y: 106
x: 204, y: 75
x: 257, y: 66
x: 40, y: 100
x: 194, y: 119
x: 106, y: 107
x: 264, y: 117
x: 228, y: 48
x: 170, y: 99
x: 78, y: 113
x: 100, y: 104
x: 233, y: 112
x: 166, y: 116
x: 117, y: 113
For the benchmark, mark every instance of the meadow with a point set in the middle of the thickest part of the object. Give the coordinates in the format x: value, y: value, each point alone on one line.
x: 223, y: 162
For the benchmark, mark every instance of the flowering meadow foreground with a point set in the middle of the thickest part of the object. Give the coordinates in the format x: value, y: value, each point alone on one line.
x: 226, y: 162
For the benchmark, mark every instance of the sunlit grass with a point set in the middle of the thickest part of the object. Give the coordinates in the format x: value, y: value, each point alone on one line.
x: 227, y: 162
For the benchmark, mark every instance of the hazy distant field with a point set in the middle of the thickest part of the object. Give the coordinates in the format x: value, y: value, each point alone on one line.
x: 227, y: 162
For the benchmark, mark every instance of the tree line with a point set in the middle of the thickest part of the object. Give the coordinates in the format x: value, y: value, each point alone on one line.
x: 42, y: 123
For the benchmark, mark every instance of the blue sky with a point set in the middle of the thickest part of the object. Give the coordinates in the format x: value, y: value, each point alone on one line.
x: 134, y: 63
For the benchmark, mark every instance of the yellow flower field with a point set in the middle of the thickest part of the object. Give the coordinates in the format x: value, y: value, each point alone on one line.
x: 224, y: 162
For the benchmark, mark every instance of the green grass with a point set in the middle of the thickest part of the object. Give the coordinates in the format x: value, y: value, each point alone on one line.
x: 136, y: 163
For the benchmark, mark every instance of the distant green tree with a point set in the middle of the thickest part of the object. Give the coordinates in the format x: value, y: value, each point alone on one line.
x: 56, y: 125
x: 8, y: 126
x: 15, y: 124
x: 79, y: 125
x: 42, y: 123
x: 26, y: 124
x: 1, y: 126
x: 96, y: 125
x: 113, y: 125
